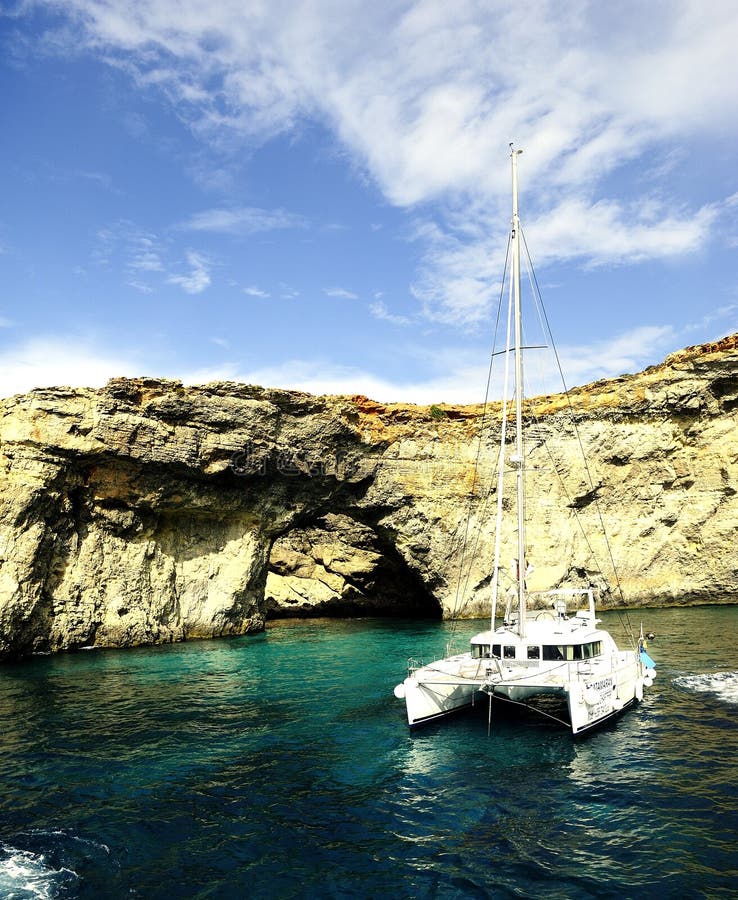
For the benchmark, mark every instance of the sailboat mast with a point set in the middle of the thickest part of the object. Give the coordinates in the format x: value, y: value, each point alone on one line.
x: 519, y: 452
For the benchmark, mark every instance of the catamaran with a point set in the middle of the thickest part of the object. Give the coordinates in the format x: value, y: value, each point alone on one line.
x: 550, y: 653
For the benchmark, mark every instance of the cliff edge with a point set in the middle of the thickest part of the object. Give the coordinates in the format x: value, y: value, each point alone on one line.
x: 146, y: 511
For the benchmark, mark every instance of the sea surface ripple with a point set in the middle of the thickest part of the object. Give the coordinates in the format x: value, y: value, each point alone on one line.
x: 281, y: 765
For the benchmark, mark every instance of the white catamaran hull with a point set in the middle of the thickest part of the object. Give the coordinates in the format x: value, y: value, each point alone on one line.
x: 439, y: 689
x: 593, y: 691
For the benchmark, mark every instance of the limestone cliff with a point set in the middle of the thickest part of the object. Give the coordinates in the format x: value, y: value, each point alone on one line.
x: 147, y: 512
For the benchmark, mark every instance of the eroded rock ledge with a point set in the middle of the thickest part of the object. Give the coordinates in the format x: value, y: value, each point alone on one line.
x: 148, y: 512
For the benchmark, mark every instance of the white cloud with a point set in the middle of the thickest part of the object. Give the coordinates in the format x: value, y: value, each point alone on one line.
x: 457, y: 378
x: 380, y: 311
x: 458, y: 281
x: 625, y: 353
x: 56, y: 361
x: 136, y: 250
x: 340, y: 293
x: 243, y: 221
x: 609, y: 232
x: 321, y: 376
x: 453, y: 375
x: 145, y: 257
x: 426, y: 94
x: 254, y: 291
x: 198, y: 279
x: 728, y: 314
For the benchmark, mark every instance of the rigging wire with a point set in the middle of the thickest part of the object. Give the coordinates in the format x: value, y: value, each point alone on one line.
x: 461, y: 598
x: 459, y: 594
x: 537, y: 293
x: 497, y: 481
x: 540, y: 310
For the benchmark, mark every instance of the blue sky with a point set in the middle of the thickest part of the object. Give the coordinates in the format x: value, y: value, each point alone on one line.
x: 315, y: 195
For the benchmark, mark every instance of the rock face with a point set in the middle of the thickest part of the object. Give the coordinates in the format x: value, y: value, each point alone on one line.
x: 147, y: 512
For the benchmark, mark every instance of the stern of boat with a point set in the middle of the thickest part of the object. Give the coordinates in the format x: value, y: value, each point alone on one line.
x: 435, y: 690
x: 596, y: 695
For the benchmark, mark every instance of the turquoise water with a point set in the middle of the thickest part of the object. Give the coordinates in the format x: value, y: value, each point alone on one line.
x: 281, y: 766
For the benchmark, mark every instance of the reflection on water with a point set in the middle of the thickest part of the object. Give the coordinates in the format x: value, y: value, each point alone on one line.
x: 283, y: 763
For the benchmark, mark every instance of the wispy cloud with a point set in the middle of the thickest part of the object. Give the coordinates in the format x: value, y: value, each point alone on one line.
x: 458, y: 379
x: 340, y: 293
x: 726, y: 314
x: 242, y: 221
x: 608, y: 232
x: 136, y: 250
x: 458, y: 278
x: 594, y: 91
x: 625, y: 353
x: 254, y: 291
x: 198, y: 278
x: 140, y: 286
x: 425, y: 96
x: 145, y: 256
x: 380, y: 311
x: 102, y: 179
x: 48, y: 170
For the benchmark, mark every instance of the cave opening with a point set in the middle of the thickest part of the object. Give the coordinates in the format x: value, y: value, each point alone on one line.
x: 338, y: 566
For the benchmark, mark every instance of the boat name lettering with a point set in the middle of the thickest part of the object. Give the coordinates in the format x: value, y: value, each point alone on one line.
x: 601, y: 685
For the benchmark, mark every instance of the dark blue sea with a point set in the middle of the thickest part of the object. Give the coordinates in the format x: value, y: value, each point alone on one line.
x: 281, y: 765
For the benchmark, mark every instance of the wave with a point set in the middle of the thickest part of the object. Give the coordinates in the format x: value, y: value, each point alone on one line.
x: 52, y: 864
x: 723, y: 685
x: 29, y: 876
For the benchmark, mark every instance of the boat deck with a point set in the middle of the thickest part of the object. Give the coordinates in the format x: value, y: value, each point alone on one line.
x: 491, y: 672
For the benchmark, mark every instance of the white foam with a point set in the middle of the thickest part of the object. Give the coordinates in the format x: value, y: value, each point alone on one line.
x: 27, y: 876
x: 723, y: 685
x: 60, y: 833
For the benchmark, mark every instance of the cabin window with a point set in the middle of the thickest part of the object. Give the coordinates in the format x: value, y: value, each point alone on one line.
x: 534, y: 652
x: 562, y: 652
x: 572, y: 652
x: 509, y: 652
x: 593, y: 649
x: 496, y: 651
x: 480, y: 651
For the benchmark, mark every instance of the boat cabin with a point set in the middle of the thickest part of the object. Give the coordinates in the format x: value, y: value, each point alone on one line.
x: 551, y: 635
